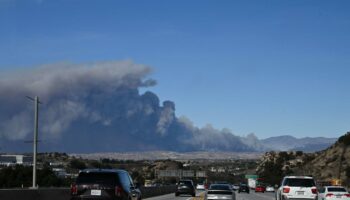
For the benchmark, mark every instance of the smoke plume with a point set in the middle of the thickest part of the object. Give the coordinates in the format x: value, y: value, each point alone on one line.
x: 97, y: 107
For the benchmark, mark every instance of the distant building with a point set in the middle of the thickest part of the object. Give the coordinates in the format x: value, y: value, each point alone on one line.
x: 12, y: 160
x: 218, y: 169
x: 56, y: 164
x: 60, y: 172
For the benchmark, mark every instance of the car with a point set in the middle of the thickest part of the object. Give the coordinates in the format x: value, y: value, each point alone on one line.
x: 243, y: 188
x: 185, y: 187
x: 235, y: 187
x: 260, y: 188
x: 200, y: 186
x: 269, y: 189
x: 220, y: 191
x: 333, y: 193
x: 297, y: 187
x: 113, y: 184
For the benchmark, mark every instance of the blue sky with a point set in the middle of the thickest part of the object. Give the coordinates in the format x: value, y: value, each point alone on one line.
x: 264, y: 67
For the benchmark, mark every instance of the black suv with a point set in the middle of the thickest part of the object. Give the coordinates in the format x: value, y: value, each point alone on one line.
x: 110, y: 184
x: 243, y: 188
x: 185, y: 187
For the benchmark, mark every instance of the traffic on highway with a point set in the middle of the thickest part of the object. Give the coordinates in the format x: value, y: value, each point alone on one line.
x: 201, y: 196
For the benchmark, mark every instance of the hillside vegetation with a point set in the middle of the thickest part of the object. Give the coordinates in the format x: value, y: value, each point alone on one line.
x: 331, y: 163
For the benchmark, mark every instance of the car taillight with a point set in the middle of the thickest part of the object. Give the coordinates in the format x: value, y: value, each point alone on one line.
x: 118, y: 191
x: 347, y: 195
x: 286, y: 190
x: 73, y: 189
x: 329, y: 195
x: 314, y: 190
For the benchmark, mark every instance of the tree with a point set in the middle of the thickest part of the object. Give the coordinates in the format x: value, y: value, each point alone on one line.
x: 18, y: 176
x: 77, y: 164
x: 345, y: 139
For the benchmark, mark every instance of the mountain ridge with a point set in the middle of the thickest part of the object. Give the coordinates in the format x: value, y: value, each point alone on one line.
x: 291, y: 143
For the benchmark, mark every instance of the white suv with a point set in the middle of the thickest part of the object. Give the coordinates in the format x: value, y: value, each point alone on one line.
x: 297, y: 187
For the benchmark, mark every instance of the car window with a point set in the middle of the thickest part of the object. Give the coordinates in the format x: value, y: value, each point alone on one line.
x: 131, y: 181
x: 299, y: 182
x: 219, y: 187
x: 95, y: 178
x: 336, y: 189
x: 185, y: 183
x: 125, y: 180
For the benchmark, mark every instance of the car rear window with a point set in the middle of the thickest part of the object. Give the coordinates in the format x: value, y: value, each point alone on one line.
x: 336, y: 189
x: 185, y: 183
x: 219, y: 187
x: 96, y: 178
x: 299, y: 182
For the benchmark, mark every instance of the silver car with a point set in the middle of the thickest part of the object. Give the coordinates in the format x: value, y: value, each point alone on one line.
x: 270, y: 189
x: 220, y: 191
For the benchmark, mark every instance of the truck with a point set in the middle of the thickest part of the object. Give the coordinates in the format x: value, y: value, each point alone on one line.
x: 251, y: 183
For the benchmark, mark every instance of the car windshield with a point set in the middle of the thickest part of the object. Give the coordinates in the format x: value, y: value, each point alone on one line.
x: 96, y: 178
x: 336, y: 189
x: 300, y: 182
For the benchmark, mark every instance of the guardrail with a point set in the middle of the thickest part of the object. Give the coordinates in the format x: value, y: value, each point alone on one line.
x: 64, y: 193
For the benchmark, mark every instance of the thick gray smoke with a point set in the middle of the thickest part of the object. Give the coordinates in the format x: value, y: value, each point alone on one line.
x: 63, y: 88
x: 97, y: 107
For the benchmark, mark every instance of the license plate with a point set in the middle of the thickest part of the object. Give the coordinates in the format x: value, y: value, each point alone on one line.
x: 96, y: 192
x: 300, y: 193
x: 338, y: 196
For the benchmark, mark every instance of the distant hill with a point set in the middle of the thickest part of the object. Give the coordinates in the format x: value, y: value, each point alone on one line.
x: 330, y: 163
x: 334, y: 162
x: 290, y: 143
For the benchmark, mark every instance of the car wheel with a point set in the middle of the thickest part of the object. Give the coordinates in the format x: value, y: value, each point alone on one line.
x: 176, y: 194
x: 194, y: 194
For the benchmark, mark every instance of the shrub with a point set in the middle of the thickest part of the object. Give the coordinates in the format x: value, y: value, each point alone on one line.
x: 345, y: 139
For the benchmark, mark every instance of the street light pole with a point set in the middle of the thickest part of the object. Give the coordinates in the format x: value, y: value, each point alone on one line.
x: 35, y: 141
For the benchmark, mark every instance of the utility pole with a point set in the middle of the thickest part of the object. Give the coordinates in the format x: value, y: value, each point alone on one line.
x: 35, y: 140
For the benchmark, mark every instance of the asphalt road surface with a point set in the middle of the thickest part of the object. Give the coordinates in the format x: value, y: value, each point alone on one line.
x: 200, y: 196
x: 255, y: 196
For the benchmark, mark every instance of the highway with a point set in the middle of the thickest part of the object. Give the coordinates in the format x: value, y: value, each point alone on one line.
x: 200, y: 196
x: 255, y: 196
